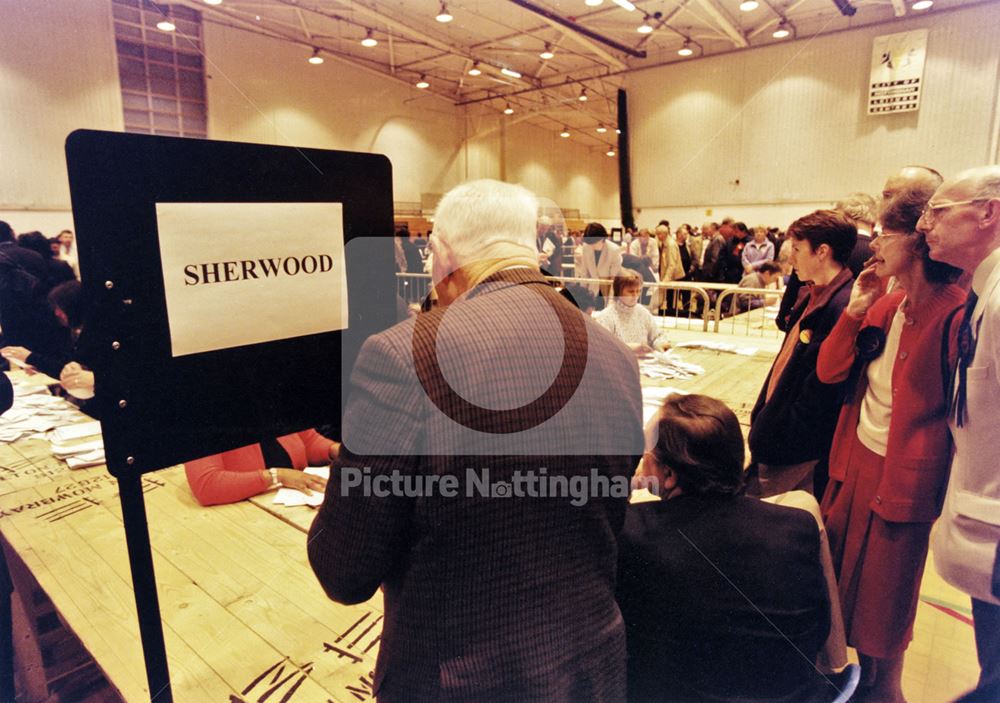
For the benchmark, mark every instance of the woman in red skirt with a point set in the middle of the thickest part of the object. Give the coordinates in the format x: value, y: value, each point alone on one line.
x: 890, y: 455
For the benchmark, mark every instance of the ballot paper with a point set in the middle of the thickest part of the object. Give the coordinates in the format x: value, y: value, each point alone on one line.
x: 77, y: 431
x: 667, y: 364
x: 35, y: 412
x: 292, y: 496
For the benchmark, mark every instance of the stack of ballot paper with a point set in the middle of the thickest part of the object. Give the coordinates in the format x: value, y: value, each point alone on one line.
x: 79, y: 445
x: 292, y: 496
x: 668, y: 365
x: 35, y: 411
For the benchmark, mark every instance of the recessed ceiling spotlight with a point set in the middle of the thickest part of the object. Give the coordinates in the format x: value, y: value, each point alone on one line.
x: 547, y: 53
x: 565, y: 133
x: 749, y: 5
x: 475, y: 70
x: 922, y: 5
x: 645, y: 27
x: 369, y: 41
x: 601, y: 129
x: 509, y: 72
x: 443, y: 16
x: 508, y: 110
x: 782, y: 30
x: 166, y: 26
x: 422, y: 83
x: 315, y: 59
x: 685, y: 50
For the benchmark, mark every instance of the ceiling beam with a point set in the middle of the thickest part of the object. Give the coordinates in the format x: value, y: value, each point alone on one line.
x: 724, y: 22
x: 554, y: 19
x: 603, y: 53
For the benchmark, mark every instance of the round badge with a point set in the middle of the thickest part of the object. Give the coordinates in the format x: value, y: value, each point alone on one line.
x: 870, y: 343
x: 805, y: 336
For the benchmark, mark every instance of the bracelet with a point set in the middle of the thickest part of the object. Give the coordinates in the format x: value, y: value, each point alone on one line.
x: 275, y: 483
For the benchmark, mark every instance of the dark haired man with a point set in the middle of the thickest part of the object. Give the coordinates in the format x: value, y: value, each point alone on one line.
x: 792, y: 424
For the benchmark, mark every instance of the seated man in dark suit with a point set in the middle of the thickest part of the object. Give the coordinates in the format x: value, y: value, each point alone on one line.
x: 723, y: 596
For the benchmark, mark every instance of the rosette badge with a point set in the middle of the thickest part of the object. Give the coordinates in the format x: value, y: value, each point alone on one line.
x: 870, y: 343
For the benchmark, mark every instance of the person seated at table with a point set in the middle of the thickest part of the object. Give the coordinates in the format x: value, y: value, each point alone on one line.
x: 257, y: 468
x: 723, y: 596
x: 632, y: 323
x: 66, y: 311
x: 581, y: 297
x: 765, y: 276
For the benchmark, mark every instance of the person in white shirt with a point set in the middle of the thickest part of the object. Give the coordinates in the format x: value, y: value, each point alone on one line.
x: 962, y: 226
x: 630, y: 322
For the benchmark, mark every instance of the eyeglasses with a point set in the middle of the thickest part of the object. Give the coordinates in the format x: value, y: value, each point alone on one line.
x: 929, y: 215
x: 882, y: 237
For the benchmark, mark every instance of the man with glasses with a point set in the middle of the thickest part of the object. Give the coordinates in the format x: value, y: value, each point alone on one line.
x: 962, y: 226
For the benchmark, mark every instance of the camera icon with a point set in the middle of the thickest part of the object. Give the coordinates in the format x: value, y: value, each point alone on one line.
x: 501, y: 489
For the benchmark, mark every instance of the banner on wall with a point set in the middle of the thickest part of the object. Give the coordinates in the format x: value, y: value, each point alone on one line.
x: 280, y: 265
x: 897, y: 72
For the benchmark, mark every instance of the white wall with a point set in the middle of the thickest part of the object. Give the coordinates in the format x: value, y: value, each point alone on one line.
x: 789, y: 121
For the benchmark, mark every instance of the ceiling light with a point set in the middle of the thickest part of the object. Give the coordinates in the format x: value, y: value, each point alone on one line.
x: 509, y: 72
x: 166, y: 25
x: 782, y: 31
x: 625, y: 4
x: 508, y: 110
x: 583, y: 95
x: 601, y: 129
x: 444, y: 16
x: 645, y: 27
x: 593, y: 3
x: 749, y: 5
x: 547, y: 53
x: 685, y: 50
x: 618, y: 131
x: 213, y: 2
x: 315, y: 59
x: 422, y: 83
x: 475, y: 70
x: 369, y: 40
x: 565, y: 133
x: 610, y: 152
x: 922, y: 5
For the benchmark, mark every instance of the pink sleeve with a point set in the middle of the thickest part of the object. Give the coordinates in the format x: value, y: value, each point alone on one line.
x: 214, y: 484
x: 317, y: 447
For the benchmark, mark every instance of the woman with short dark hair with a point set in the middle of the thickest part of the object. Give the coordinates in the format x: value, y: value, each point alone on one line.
x: 723, y: 596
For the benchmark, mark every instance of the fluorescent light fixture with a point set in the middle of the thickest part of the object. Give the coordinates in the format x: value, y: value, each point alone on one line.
x: 509, y: 72
x: 444, y: 16
x: 547, y: 53
x: 610, y: 152
x: 782, y: 31
x: 508, y: 110
x: 565, y: 133
x: 601, y: 129
x: 475, y: 70
x: 422, y: 83
x: 749, y: 5
x: 213, y: 2
x: 369, y: 41
x: 685, y: 50
x: 624, y: 4
x: 315, y: 59
x: 166, y: 26
x: 922, y: 5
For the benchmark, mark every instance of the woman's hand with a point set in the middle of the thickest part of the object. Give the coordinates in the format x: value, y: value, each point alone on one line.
x: 78, y: 381
x: 17, y: 353
x: 866, y: 290
x: 661, y: 345
x: 334, y: 452
x: 640, y: 349
x: 301, y: 481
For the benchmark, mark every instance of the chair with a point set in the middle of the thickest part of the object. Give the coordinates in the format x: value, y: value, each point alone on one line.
x: 846, y: 682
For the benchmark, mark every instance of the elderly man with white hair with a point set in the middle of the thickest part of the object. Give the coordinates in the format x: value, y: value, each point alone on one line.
x: 506, y: 593
x: 962, y: 225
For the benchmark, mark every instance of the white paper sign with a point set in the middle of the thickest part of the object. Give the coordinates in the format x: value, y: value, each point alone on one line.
x: 897, y: 72
x: 245, y: 273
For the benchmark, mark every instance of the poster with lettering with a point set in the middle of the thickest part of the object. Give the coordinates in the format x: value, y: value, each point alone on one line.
x: 897, y: 72
x: 237, y: 274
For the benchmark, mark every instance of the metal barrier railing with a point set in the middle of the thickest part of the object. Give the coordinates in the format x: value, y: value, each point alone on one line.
x: 748, y: 313
x: 694, y: 301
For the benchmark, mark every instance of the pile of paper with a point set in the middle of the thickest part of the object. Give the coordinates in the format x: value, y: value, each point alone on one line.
x: 292, y: 496
x: 80, y: 445
x: 35, y: 411
x: 668, y: 365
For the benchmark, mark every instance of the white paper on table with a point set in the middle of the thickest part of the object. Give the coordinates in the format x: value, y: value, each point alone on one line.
x: 65, y: 450
x: 77, y: 431
x: 321, y: 471
x: 716, y: 346
x: 82, y: 461
x: 292, y: 497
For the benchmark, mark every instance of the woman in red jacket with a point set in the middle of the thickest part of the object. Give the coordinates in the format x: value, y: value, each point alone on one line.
x: 890, y: 455
x: 247, y: 471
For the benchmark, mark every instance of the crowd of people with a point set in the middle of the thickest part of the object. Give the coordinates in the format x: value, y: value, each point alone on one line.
x: 879, y: 402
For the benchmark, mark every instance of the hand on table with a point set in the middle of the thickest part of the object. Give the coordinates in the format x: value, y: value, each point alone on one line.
x: 78, y: 381
x: 301, y: 481
x: 662, y: 345
x: 641, y: 349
